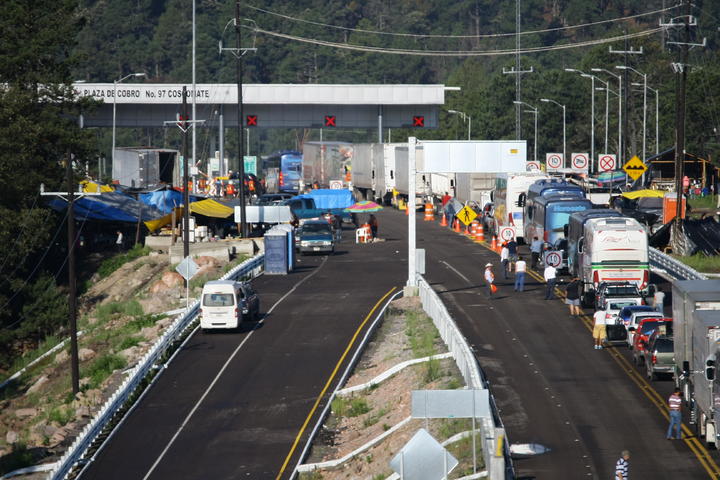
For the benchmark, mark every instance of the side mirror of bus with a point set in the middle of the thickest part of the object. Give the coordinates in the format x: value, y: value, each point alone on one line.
x: 581, y: 244
x: 565, y: 230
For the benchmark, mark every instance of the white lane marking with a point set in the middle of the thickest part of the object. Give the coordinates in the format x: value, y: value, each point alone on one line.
x: 456, y: 271
x: 217, y: 377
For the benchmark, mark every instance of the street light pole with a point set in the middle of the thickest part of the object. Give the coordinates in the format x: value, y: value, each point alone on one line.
x: 657, y: 115
x: 546, y: 100
x: 644, y: 76
x: 115, y: 84
x: 620, y: 139
x: 534, y: 111
x: 607, y: 109
x: 592, y: 108
x: 465, y: 117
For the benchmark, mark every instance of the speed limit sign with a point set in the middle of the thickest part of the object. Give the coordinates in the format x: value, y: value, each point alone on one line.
x: 553, y: 258
x: 507, y: 233
x: 554, y: 161
x: 606, y: 162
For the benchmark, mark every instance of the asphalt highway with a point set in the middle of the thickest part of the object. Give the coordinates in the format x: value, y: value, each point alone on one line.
x: 233, y: 404
x: 550, y: 385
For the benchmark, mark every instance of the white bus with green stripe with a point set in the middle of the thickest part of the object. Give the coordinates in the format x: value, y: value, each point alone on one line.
x: 613, y: 250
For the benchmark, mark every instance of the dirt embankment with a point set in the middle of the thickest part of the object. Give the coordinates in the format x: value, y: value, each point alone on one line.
x: 120, y: 318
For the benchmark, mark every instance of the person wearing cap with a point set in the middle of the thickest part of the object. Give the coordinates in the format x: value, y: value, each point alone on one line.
x: 622, y: 467
x: 489, y: 278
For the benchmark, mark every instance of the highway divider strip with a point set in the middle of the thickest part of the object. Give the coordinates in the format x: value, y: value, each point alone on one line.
x: 251, y: 267
x: 343, y: 379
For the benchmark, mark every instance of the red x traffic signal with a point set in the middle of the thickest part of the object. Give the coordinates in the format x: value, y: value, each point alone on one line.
x: 418, y: 121
x: 330, y: 121
x: 251, y: 121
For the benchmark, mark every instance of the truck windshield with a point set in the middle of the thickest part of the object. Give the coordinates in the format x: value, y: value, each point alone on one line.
x: 218, y: 300
x: 314, y: 228
x: 620, y: 305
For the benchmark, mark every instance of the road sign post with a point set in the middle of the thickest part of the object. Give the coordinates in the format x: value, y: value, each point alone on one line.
x: 580, y: 162
x: 466, y: 215
x: 635, y: 168
x: 606, y: 162
x: 554, y: 161
x: 553, y: 258
x: 187, y: 268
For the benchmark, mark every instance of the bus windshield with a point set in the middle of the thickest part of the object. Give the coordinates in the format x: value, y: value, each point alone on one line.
x: 291, y: 166
x: 565, y: 190
x: 557, y: 215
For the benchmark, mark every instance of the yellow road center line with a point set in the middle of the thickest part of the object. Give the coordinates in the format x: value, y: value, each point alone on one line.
x: 327, y: 384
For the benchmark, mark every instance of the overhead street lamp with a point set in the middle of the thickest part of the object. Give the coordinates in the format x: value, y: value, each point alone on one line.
x: 115, y: 84
x: 592, y: 107
x: 607, y: 91
x: 546, y: 100
x: 644, y: 75
x: 465, y: 117
x: 657, y: 113
x: 619, y: 79
x: 534, y: 111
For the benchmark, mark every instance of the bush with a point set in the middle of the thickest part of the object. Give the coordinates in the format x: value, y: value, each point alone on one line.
x: 101, y: 368
x: 45, y: 309
x: 109, y: 265
x: 61, y: 415
x: 128, y: 342
x: 131, y: 308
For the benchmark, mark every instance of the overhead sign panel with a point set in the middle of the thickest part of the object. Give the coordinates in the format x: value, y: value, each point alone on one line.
x: 442, y: 156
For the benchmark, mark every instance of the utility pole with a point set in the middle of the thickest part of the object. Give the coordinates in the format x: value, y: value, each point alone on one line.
x: 681, y: 70
x: 517, y: 71
x: 72, y: 279
x: 186, y: 177
x: 241, y: 140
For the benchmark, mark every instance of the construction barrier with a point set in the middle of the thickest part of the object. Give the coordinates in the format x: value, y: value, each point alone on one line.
x: 429, y: 213
x: 480, y: 233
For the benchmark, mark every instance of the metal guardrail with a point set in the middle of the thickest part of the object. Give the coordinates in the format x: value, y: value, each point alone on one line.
x: 674, y: 268
x: 75, y: 453
x: 497, y: 460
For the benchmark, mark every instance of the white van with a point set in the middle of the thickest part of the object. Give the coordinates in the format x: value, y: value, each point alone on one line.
x: 225, y: 303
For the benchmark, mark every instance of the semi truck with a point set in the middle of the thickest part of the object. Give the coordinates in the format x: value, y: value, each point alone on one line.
x: 696, y: 332
x: 326, y: 163
x: 612, y: 250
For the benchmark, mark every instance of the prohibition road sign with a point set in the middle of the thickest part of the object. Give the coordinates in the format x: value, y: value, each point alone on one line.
x: 532, y: 165
x: 606, y: 162
x: 580, y: 161
x: 554, y: 160
x: 554, y: 259
x: 507, y: 233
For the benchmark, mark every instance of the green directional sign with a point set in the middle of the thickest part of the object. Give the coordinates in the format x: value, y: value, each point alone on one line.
x: 250, y: 164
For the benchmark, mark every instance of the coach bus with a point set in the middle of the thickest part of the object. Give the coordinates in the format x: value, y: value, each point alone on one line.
x: 508, y: 198
x: 283, y: 171
x: 546, y: 216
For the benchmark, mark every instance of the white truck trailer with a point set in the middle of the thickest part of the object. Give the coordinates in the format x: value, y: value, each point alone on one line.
x: 696, y: 332
x: 326, y: 162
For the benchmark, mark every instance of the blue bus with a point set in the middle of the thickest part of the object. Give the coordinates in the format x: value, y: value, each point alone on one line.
x: 546, y: 187
x: 546, y: 217
x: 283, y: 171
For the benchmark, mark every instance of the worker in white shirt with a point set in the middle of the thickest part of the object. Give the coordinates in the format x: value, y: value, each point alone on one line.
x: 550, y: 275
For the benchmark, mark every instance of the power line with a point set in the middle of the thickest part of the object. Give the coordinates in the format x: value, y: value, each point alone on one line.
x: 453, y: 53
x: 489, y: 35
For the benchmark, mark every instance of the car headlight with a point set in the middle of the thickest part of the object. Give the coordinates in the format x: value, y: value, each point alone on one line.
x: 304, y: 243
x: 326, y: 243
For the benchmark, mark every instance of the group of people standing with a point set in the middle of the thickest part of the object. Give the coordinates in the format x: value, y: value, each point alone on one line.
x: 509, y: 260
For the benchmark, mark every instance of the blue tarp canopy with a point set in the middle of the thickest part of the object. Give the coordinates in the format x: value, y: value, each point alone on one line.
x: 165, y: 200
x: 112, y: 206
x: 326, y: 198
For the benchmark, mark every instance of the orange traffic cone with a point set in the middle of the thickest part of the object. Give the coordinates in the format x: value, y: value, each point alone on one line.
x: 407, y: 210
x: 456, y: 228
x: 443, y: 221
x: 493, y: 243
x: 479, y: 234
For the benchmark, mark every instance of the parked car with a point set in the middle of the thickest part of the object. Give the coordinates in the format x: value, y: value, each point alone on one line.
x: 645, y: 328
x: 659, y: 355
x: 225, y: 303
x: 627, y: 312
x: 633, y: 324
x: 622, y: 294
x: 316, y: 236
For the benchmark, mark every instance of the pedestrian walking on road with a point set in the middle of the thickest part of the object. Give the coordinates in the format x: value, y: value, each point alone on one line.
x: 520, y: 269
x: 490, y: 279
x: 512, y: 250
x: 599, y: 329
x: 505, y: 259
x: 674, y: 403
x: 550, y: 275
x: 572, y: 296
x: 535, y: 250
x: 622, y: 466
x: 659, y: 300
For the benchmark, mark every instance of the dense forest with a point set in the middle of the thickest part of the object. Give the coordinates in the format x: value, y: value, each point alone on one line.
x: 467, y: 43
